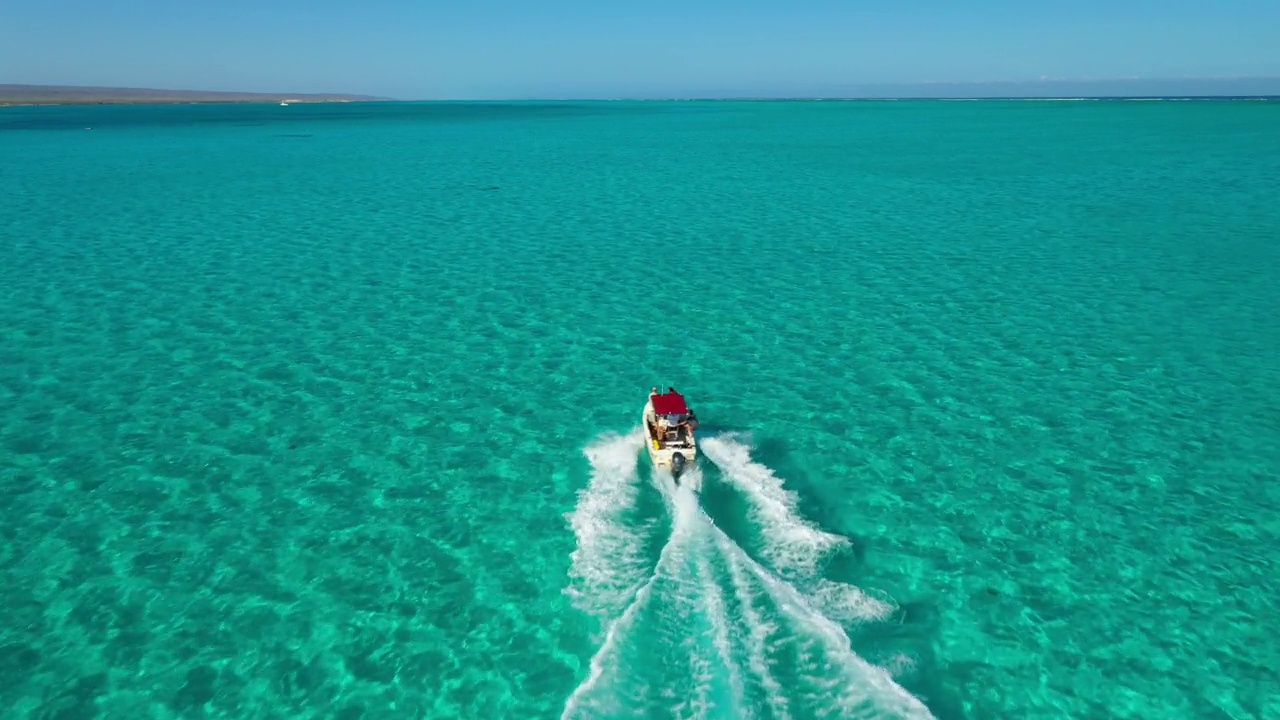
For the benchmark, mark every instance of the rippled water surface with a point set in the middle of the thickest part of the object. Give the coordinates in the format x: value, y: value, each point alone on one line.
x: 331, y: 411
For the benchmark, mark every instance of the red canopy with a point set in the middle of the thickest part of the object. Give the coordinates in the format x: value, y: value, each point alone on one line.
x: 670, y: 404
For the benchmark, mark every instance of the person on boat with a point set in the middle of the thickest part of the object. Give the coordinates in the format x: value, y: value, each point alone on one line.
x: 687, y: 424
x: 657, y: 430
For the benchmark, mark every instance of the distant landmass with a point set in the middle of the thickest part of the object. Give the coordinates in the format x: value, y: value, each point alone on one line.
x: 76, y: 95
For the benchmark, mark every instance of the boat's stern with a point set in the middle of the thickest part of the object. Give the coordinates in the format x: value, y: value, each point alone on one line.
x: 671, y: 458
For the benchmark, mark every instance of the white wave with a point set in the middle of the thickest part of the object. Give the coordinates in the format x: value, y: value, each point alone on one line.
x: 680, y: 497
x: 714, y: 606
x: 867, y: 691
x: 608, y: 563
x: 591, y: 699
x: 728, y: 654
x: 759, y: 643
x: 792, y: 545
x: 847, y: 603
x: 698, y: 597
x: 581, y: 703
x: 899, y: 665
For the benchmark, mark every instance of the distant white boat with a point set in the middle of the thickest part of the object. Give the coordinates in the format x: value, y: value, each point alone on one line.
x: 284, y: 103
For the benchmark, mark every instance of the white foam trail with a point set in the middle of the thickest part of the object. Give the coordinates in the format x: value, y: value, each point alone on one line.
x: 575, y: 703
x: 702, y: 673
x: 792, y: 545
x: 759, y: 643
x: 684, y: 526
x: 682, y: 501
x: 866, y: 690
x: 899, y: 665
x: 719, y: 618
x: 608, y: 564
x: 689, y: 587
x: 869, y: 691
x: 683, y: 495
x: 847, y: 603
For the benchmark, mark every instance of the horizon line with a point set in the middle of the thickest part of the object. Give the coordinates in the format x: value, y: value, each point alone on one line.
x: 853, y: 91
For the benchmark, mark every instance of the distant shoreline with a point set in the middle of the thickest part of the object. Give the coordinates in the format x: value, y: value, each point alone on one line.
x: 59, y: 95
x: 72, y: 103
x: 293, y: 100
x: 41, y: 95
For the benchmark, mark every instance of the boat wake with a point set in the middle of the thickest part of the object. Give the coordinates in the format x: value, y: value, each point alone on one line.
x: 709, y: 631
x: 608, y: 564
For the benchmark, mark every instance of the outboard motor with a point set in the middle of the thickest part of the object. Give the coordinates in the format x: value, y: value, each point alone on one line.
x: 677, y: 464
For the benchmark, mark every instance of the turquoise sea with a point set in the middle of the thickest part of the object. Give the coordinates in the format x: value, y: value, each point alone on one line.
x: 331, y: 411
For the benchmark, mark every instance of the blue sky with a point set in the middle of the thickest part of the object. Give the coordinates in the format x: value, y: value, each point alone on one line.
x: 655, y: 48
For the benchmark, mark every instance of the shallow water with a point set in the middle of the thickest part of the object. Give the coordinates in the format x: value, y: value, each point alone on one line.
x: 329, y: 411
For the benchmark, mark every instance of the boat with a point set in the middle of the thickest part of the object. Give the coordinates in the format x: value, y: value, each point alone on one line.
x: 669, y: 427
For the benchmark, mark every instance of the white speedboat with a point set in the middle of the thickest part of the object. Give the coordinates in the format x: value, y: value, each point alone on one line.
x: 669, y: 427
